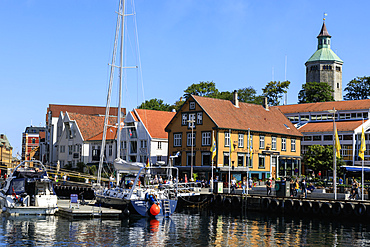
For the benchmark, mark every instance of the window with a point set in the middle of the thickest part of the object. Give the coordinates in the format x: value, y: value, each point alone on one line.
x: 191, y: 123
x: 159, y: 158
x: 227, y: 139
x: 241, y: 159
x: 200, y: 118
x: 250, y: 161
x: 240, y: 140
x: 328, y: 137
x: 273, y: 142
x: 69, y: 149
x: 62, y: 149
x: 192, y: 105
x: 307, y: 138
x: 159, y: 145
x: 226, y: 159
x: 292, y: 142
x: 206, y: 139
x: 304, y: 118
x: 184, y: 119
x: 33, y: 140
x: 133, y: 147
x: 317, y: 138
x: 262, y: 142
x: 177, y: 140
x: 124, y: 144
x: 347, y: 137
x: 261, y: 161
x: 143, y: 143
x: 273, y: 161
x: 188, y: 159
x: 206, y: 158
x: 190, y: 139
x: 283, y: 144
x: 110, y: 152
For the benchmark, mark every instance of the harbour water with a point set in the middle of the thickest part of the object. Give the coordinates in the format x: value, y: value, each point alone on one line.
x: 186, y: 228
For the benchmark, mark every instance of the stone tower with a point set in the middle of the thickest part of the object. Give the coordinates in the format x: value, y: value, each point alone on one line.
x: 324, y: 65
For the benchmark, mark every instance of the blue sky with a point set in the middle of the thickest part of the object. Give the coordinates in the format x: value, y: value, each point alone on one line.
x: 57, y: 52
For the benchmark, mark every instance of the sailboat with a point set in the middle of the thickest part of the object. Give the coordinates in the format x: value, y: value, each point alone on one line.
x: 134, y: 193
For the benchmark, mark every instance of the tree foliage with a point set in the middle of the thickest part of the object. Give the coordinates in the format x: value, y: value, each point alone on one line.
x: 249, y: 95
x: 203, y: 88
x: 274, y: 91
x: 315, y: 92
x: 358, y: 88
x: 320, y: 158
x: 155, y: 104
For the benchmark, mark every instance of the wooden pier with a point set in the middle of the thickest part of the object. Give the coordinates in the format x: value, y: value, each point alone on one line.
x: 74, y: 210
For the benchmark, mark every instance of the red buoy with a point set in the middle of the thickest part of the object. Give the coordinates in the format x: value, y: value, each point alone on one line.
x: 154, y: 209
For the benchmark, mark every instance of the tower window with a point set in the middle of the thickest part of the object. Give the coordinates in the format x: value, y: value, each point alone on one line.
x: 337, y: 85
x: 337, y: 68
x: 324, y: 41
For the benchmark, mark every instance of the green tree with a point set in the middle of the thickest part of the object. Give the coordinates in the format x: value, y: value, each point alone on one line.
x: 249, y: 95
x: 177, y: 105
x: 320, y: 158
x: 155, y: 104
x: 358, y: 88
x: 203, y: 88
x: 274, y: 91
x: 315, y: 92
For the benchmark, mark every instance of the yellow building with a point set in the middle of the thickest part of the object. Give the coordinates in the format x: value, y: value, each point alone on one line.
x: 275, y: 140
x: 6, y: 153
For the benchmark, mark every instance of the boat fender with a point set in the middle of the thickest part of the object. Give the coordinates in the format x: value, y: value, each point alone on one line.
x: 316, y: 207
x: 326, y: 208
x: 297, y: 206
x: 265, y: 203
x: 288, y: 206
x: 154, y: 209
x: 306, y: 207
x: 337, y: 208
x: 126, y: 211
x: 348, y: 209
x: 274, y: 205
x: 360, y: 209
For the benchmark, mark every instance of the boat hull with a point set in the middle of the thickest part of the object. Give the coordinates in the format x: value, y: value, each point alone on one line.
x: 138, y: 207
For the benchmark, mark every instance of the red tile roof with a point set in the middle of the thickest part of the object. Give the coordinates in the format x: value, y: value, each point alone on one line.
x: 324, y: 106
x: 90, y: 125
x: 328, y: 126
x: 87, y: 110
x: 155, y: 121
x: 111, y: 135
x: 225, y: 115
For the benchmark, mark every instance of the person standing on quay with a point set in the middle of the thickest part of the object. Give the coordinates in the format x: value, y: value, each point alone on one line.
x: 268, y: 186
x: 304, y: 188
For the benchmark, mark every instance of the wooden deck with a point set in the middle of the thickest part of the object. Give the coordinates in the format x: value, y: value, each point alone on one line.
x: 74, y: 210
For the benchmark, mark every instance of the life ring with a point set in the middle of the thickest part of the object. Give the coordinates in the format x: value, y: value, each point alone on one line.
x: 277, y: 186
x: 297, y: 206
x: 348, y: 209
x: 326, y: 208
x: 265, y: 203
x: 274, y: 205
x: 288, y: 206
x: 306, y: 207
x: 316, y: 207
x: 360, y: 209
x: 337, y: 208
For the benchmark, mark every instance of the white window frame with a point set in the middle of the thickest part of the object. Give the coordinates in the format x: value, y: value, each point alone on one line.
x: 262, y: 142
x: 206, y: 138
x: 293, y: 145
x: 200, y: 118
x: 273, y: 142
x: 227, y: 139
x: 191, y: 117
x: 283, y: 144
x: 159, y: 147
x: 240, y: 140
x: 177, y: 139
x: 188, y: 139
x: 184, y: 119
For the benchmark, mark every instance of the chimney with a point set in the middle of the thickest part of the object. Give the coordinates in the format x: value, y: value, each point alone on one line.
x: 265, y: 103
x: 235, y: 99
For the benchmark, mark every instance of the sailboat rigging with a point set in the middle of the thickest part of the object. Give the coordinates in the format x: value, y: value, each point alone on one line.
x: 134, y: 192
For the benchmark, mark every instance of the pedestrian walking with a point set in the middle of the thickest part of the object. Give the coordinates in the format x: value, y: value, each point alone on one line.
x: 304, y: 188
x: 268, y: 186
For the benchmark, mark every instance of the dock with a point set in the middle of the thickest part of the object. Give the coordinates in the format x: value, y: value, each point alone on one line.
x: 74, y: 210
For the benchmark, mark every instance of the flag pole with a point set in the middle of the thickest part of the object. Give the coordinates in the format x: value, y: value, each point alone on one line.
x: 229, y: 160
x: 362, y: 170
x: 335, y: 157
x: 249, y: 157
x: 213, y: 136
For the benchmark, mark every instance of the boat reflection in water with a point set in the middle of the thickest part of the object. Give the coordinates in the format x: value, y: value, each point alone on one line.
x: 186, y: 228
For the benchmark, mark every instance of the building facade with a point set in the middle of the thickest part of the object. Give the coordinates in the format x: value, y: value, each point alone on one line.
x: 6, y: 154
x: 315, y: 122
x: 33, y: 143
x: 324, y: 65
x: 275, y: 148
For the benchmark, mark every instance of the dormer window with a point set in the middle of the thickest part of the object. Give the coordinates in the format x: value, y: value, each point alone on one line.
x: 192, y: 105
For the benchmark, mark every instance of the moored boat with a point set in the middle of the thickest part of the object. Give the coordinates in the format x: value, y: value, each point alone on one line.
x: 28, y: 190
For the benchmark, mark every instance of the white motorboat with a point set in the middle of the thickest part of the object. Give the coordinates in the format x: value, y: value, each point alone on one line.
x: 28, y: 191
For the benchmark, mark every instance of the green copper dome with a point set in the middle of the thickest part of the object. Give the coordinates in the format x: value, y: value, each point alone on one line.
x: 324, y: 54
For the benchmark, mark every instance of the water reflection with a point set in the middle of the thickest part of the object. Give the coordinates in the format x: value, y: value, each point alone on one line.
x: 189, y: 227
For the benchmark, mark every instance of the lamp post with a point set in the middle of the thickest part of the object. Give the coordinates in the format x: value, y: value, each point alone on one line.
x: 192, y: 121
x: 334, y: 156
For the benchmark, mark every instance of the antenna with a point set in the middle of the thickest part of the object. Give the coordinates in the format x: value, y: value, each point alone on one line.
x: 325, y: 14
x: 272, y: 73
x: 286, y: 94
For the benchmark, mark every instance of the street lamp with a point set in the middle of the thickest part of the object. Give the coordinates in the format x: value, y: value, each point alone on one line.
x: 334, y: 155
x: 192, y: 121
